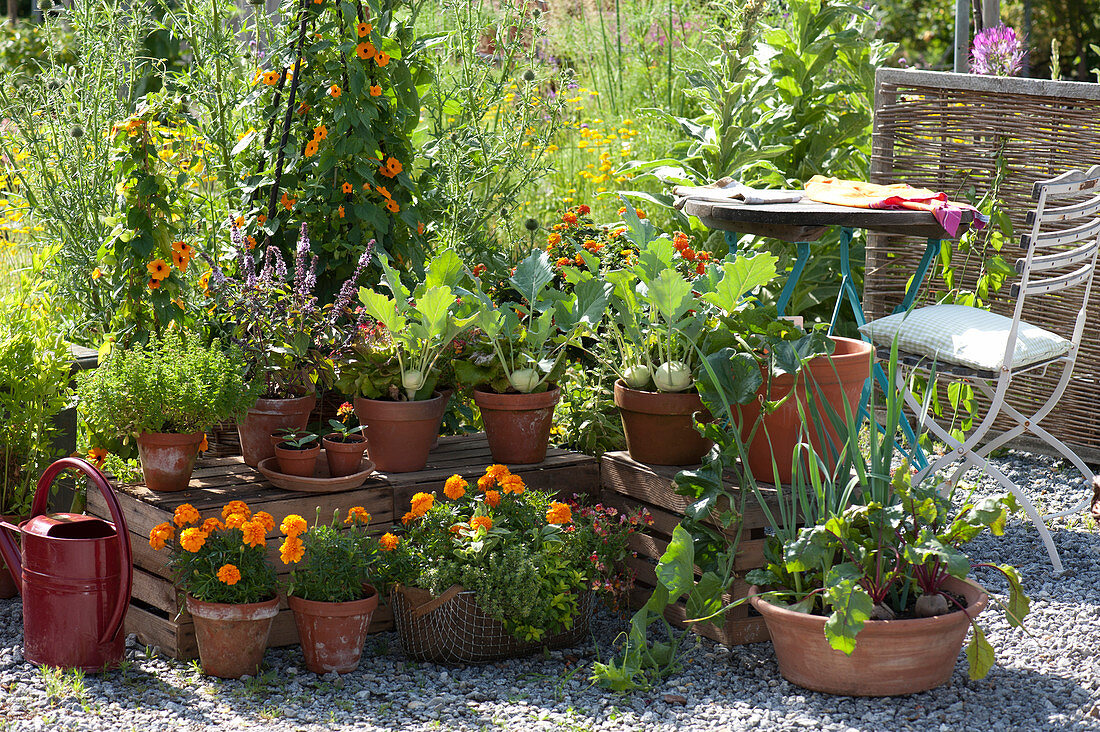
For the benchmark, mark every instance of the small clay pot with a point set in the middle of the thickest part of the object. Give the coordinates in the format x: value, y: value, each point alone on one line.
x: 168, y: 459
x: 332, y: 633
x: 400, y: 434
x: 344, y: 458
x: 266, y: 417
x: 660, y: 426
x: 294, y: 461
x: 517, y: 426
x: 232, y: 638
x: 892, y: 657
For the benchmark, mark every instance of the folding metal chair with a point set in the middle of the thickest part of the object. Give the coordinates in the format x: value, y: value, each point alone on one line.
x: 990, y: 351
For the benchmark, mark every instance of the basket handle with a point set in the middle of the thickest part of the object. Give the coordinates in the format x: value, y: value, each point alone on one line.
x: 449, y: 594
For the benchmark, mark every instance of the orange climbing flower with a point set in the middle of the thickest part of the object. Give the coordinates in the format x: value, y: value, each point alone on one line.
x: 388, y: 542
x: 303, y: 108
x: 204, y: 282
x: 558, y: 513
x: 183, y: 248
x: 192, y: 539
x: 261, y: 219
x: 97, y: 455
x: 205, y: 444
x: 393, y: 206
x: 347, y: 187
x: 334, y: 91
x: 492, y: 498
x: 229, y: 574
x: 154, y: 284
x: 366, y: 50
x: 394, y: 165
x: 160, y: 535
x: 180, y: 261
x: 311, y: 150
x: 236, y: 507
x: 287, y: 201
x: 357, y: 514
x: 293, y: 525
x: 422, y: 503
x: 455, y: 487
x: 292, y: 550
x: 97, y: 273
x: 376, y: 90
x: 158, y: 269
x: 271, y: 78
x: 384, y: 191
x: 419, y: 227
x: 382, y: 59
x: 186, y: 514
x: 478, y: 522
x: 363, y: 29
x: 340, y: 212
x: 320, y: 132
x: 251, y: 242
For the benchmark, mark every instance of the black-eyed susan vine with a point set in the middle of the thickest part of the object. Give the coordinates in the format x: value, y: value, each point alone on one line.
x: 340, y: 101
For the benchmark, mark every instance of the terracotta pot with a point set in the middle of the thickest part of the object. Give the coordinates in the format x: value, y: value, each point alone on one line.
x: 892, y: 657
x: 447, y: 393
x: 400, y: 434
x: 332, y: 633
x: 852, y: 362
x: 517, y: 425
x: 302, y: 463
x: 344, y: 458
x: 232, y: 638
x: 266, y: 417
x: 660, y: 427
x: 168, y: 459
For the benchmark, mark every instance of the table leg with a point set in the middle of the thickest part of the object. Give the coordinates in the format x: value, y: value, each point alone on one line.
x: 732, y: 238
x: 802, y: 255
x: 931, y: 249
x: 847, y: 284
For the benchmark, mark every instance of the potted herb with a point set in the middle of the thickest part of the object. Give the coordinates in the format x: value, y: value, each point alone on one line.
x: 297, y: 452
x: 521, y: 352
x: 167, y: 392
x: 328, y: 590
x: 344, y: 446
x: 221, y: 564
x: 392, y: 365
x: 498, y: 570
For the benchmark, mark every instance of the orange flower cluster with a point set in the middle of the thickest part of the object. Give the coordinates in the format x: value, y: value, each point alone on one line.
x: 161, y: 535
x: 639, y: 212
x: 422, y: 503
x: 682, y: 243
x: 391, y: 168
x: 455, y: 487
x: 357, y: 514
x: 293, y: 525
x: 388, y: 542
x: 479, y: 522
x: 559, y: 513
x: 186, y: 514
x: 229, y: 574
x: 192, y: 539
x: 366, y: 50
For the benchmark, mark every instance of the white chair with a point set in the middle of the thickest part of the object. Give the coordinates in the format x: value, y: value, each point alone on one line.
x: 991, y: 350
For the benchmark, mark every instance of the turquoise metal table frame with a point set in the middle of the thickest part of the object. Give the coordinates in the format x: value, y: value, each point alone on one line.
x: 849, y: 294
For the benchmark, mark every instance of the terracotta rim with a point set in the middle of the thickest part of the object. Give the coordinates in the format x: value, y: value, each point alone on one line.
x: 338, y: 446
x: 681, y: 403
x: 282, y: 405
x: 383, y: 410
x: 233, y: 611
x: 287, y: 452
x: 336, y: 609
x: 517, y: 402
x: 170, y: 439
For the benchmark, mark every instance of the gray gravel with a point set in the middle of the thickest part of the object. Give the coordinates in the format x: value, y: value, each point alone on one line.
x: 1049, y: 679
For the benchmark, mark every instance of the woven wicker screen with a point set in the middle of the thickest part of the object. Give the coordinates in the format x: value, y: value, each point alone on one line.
x: 943, y: 131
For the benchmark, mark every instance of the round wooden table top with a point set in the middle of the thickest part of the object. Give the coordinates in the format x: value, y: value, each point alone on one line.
x: 807, y: 220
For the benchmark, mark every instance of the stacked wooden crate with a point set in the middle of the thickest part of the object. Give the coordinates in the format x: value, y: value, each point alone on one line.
x: 629, y: 485
x: 156, y: 613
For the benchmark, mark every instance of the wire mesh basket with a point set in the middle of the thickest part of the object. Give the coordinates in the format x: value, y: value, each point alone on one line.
x: 452, y: 629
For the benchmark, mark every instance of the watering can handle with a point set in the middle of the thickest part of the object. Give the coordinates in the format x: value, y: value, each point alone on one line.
x: 42, y: 495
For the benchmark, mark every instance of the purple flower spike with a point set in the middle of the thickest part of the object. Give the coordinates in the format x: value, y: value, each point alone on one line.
x: 300, y: 259
x: 997, y: 52
x: 347, y: 292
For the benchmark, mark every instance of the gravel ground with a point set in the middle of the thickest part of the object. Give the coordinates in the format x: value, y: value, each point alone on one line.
x: 1048, y: 679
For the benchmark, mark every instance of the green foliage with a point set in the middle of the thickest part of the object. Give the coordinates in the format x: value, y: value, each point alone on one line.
x: 197, y: 571
x: 23, y: 45
x: 175, y: 383
x: 336, y: 560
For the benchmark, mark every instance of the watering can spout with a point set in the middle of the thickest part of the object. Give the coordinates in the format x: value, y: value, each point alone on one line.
x: 9, y: 550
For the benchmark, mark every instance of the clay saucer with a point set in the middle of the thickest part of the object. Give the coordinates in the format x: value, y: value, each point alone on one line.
x: 320, y: 482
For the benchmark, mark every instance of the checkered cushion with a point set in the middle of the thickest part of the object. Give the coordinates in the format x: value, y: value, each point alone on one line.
x: 966, y: 336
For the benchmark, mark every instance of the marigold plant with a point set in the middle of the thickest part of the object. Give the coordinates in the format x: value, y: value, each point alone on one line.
x: 216, y: 561
x: 331, y: 562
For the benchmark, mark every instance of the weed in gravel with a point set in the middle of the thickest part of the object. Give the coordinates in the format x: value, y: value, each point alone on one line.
x: 61, y: 684
x: 271, y: 711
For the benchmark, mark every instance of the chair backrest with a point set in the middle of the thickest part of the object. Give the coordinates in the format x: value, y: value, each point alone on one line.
x: 1062, y: 244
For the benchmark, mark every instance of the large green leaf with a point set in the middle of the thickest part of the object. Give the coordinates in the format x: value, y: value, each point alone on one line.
x: 728, y: 375
x: 445, y: 269
x: 1018, y: 603
x: 670, y: 294
x: 705, y: 599
x: 532, y: 275
x: 979, y: 653
x: 434, y: 308
x: 676, y: 570
x: 740, y: 277
x: 851, y: 605
x: 382, y: 308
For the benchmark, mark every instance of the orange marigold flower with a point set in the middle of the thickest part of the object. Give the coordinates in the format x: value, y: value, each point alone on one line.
x: 485, y: 482
x: 205, y: 444
x: 254, y: 533
x: 334, y: 91
x: 310, y: 151
x: 455, y: 487
x: 320, y: 132
x: 293, y: 525
x: 97, y: 455
x: 160, y: 535
x: 236, y: 507
x: 365, y: 50
x: 492, y: 498
x: 292, y: 550
x: 180, y: 261
x: 154, y: 284
x: 266, y: 520
x: 186, y: 514
x: 388, y: 542
x: 497, y: 470
x: 229, y: 574
x: 478, y: 522
x: 192, y: 539
x: 235, y: 520
x: 393, y: 206
x: 358, y: 514
x: 422, y: 503
x: 363, y: 29
x: 512, y: 484
x: 211, y: 525
x: 558, y: 513
x: 376, y: 90
x: 158, y: 269
x: 408, y: 518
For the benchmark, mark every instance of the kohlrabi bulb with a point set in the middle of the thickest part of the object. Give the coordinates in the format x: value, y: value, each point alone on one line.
x: 524, y: 380
x: 672, y: 376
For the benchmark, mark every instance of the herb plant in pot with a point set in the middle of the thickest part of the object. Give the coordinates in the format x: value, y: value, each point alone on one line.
x: 221, y: 565
x: 344, y: 446
x: 297, y: 452
x: 328, y: 590
x: 167, y: 392
x: 521, y: 353
x: 498, y: 570
x: 393, y: 365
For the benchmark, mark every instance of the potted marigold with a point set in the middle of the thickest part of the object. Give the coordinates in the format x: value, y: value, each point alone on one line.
x: 221, y: 565
x: 328, y: 589
x: 499, y: 570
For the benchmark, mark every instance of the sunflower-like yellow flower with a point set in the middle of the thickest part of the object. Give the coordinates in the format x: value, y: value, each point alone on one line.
x: 388, y: 542
x: 293, y: 525
x: 292, y: 550
x: 254, y: 533
x: 229, y: 574
x: 186, y: 514
x: 422, y: 503
x: 160, y: 535
x: 192, y: 539
x: 455, y: 487
x: 558, y: 513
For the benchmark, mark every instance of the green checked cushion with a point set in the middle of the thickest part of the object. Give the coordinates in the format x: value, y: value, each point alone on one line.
x: 966, y: 336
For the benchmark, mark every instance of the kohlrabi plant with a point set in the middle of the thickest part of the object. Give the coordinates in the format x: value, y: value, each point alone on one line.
x: 524, y: 343
x: 419, y: 324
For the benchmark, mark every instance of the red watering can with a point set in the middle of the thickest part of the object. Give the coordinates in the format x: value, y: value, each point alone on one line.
x: 75, y: 576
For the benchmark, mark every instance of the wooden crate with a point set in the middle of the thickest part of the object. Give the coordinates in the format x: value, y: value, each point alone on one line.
x: 156, y: 614
x: 629, y: 485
